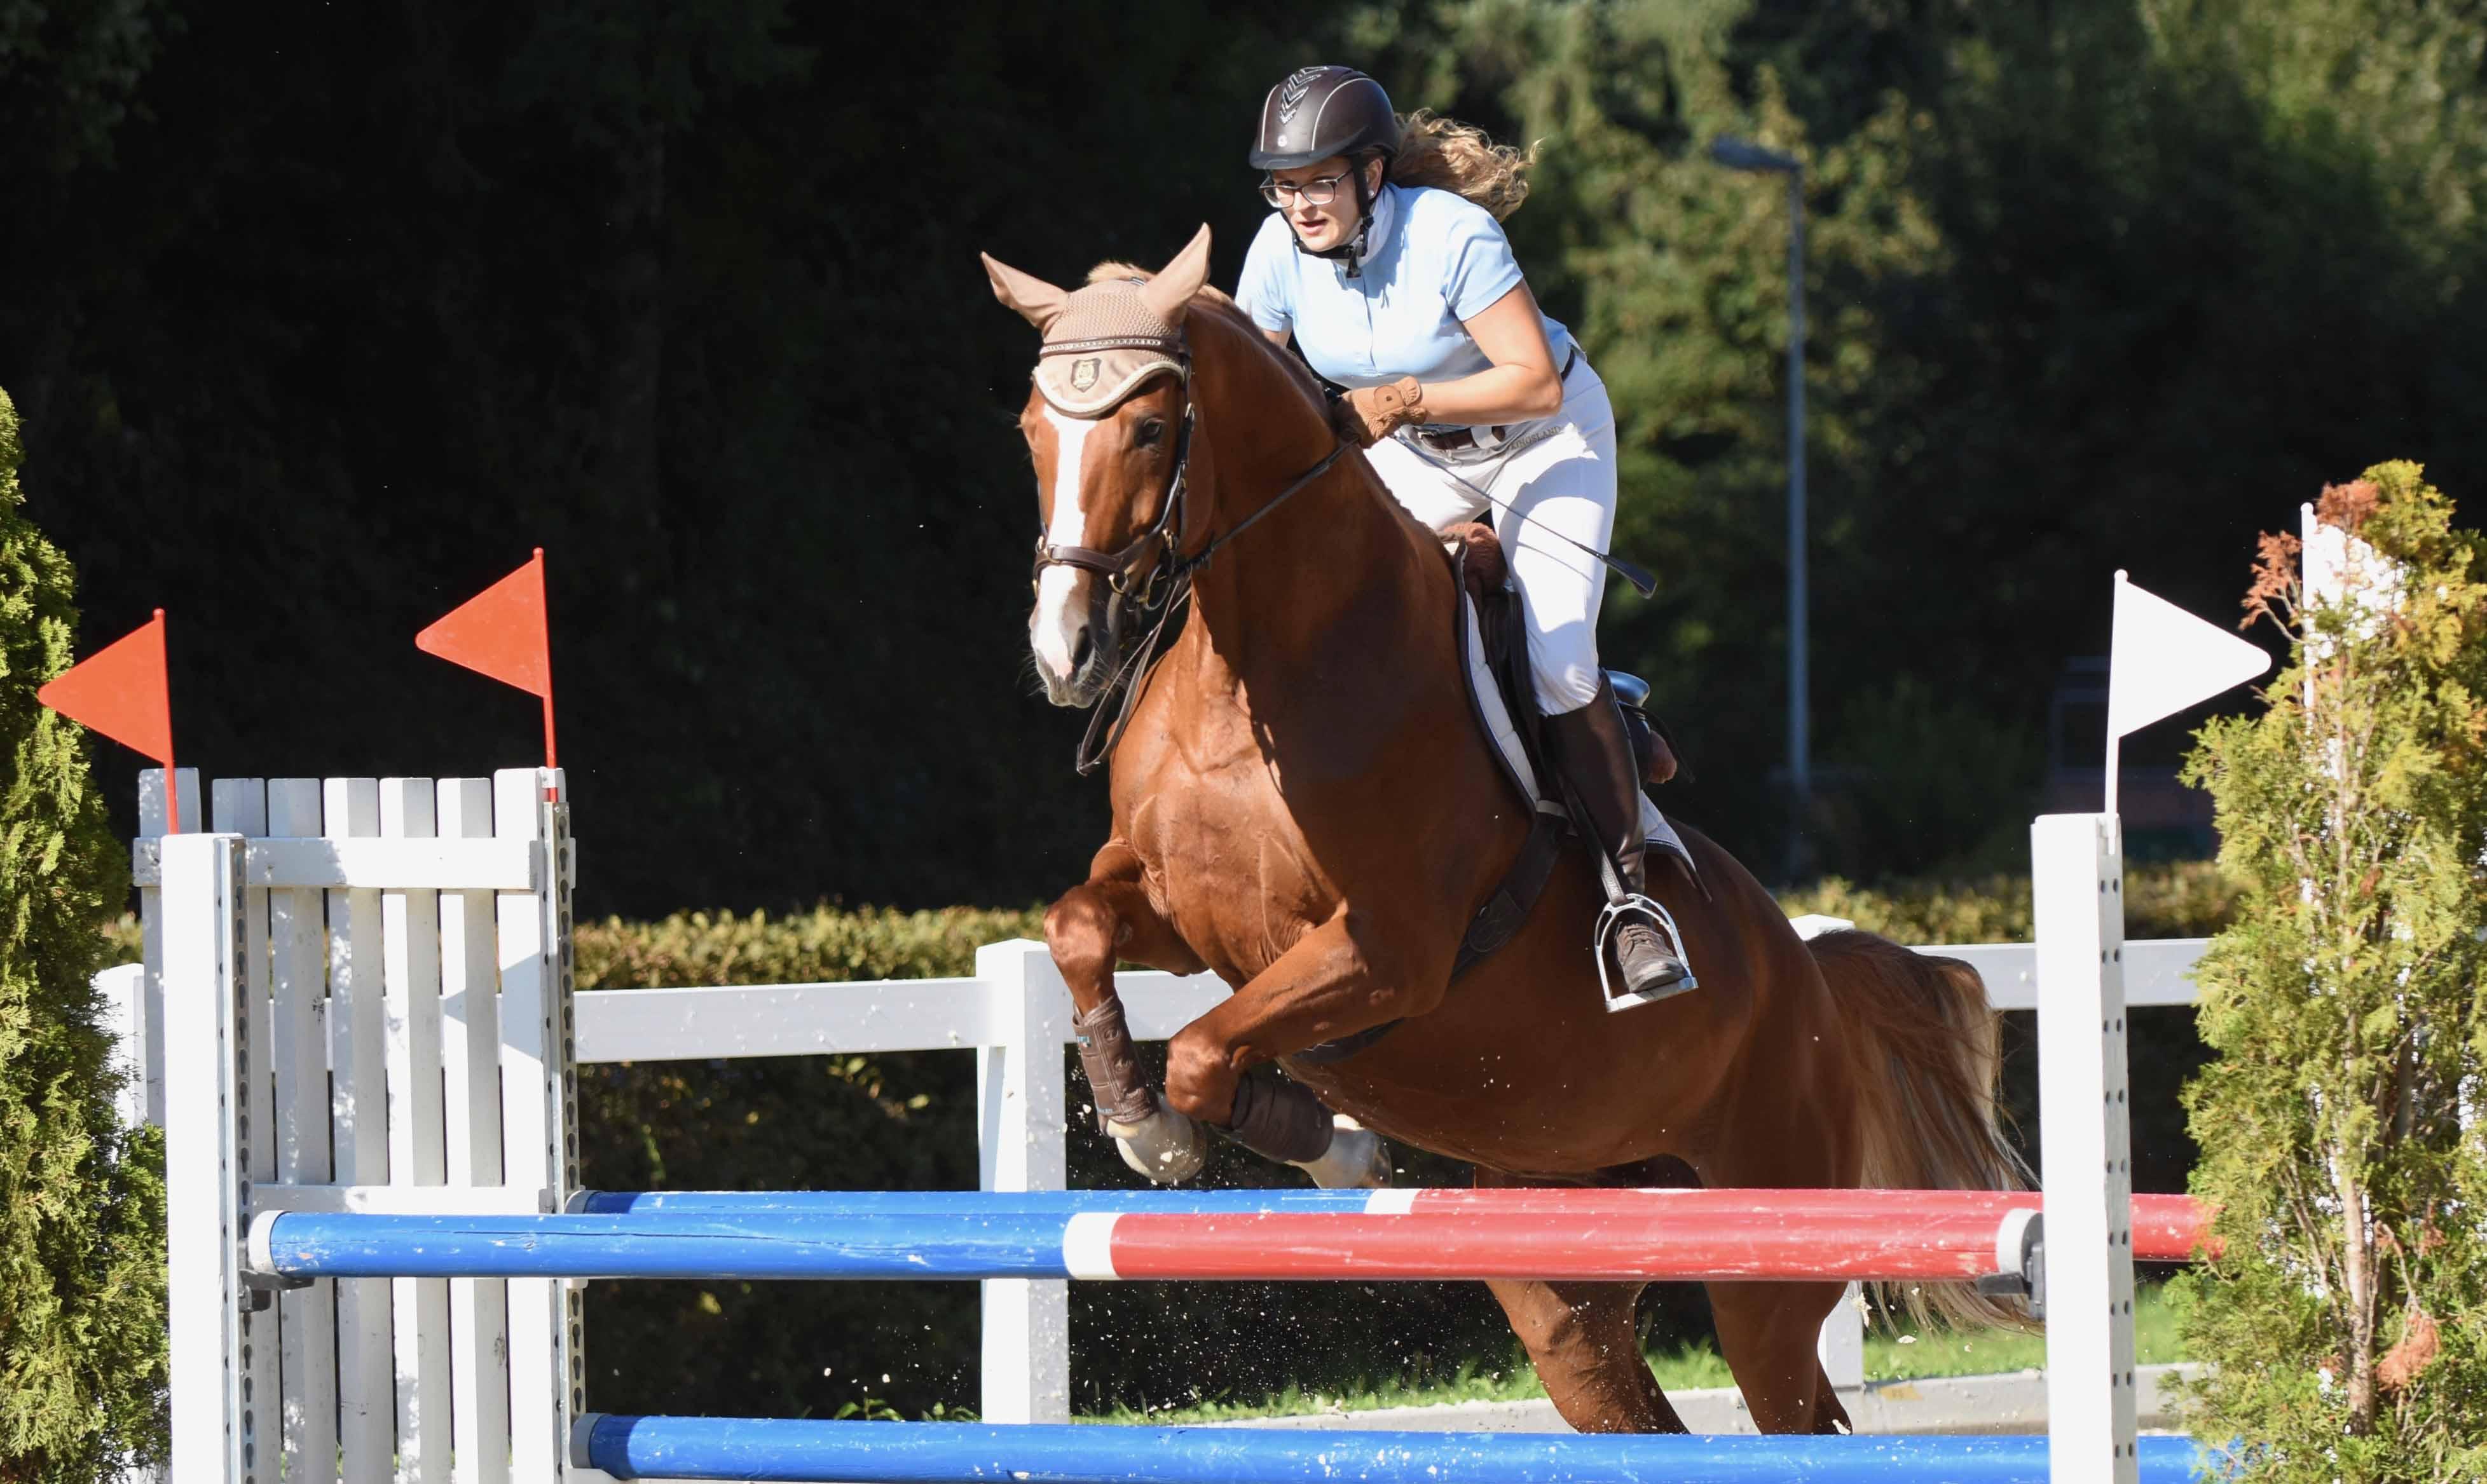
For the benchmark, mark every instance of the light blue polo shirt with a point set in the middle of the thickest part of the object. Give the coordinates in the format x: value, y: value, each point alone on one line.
x: 1434, y: 259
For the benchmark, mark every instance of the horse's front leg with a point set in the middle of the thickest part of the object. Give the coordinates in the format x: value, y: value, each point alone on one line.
x: 1338, y: 980
x: 1107, y: 919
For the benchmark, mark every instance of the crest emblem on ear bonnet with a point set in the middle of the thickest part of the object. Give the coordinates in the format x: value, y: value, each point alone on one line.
x: 1103, y: 340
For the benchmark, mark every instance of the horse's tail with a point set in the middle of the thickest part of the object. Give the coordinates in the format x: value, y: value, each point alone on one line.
x: 1927, y: 1056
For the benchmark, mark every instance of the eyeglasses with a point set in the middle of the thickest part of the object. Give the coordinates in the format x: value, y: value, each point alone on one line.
x: 1320, y: 193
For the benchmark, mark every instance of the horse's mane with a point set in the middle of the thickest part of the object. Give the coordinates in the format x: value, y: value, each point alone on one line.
x: 1213, y: 299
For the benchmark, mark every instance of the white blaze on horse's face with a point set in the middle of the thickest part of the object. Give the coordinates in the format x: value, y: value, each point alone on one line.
x: 1062, y: 592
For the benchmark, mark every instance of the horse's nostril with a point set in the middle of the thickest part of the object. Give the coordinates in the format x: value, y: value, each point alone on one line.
x: 1080, y: 649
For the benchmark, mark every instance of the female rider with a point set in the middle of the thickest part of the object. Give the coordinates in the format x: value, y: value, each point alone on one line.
x: 1463, y: 394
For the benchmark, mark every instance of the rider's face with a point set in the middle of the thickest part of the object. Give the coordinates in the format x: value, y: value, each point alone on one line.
x: 1322, y: 227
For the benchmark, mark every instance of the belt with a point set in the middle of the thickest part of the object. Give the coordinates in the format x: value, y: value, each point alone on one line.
x: 1458, y: 438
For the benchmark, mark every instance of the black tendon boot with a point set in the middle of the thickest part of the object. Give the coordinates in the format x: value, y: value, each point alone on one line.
x: 1593, y: 750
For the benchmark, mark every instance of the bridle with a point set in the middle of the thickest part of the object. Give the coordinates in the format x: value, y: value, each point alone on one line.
x: 1150, y: 574
x: 1158, y: 545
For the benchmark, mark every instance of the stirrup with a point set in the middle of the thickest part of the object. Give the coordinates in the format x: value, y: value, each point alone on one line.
x: 1612, y: 917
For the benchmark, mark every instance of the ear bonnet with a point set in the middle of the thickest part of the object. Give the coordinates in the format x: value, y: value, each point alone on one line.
x: 1107, y: 339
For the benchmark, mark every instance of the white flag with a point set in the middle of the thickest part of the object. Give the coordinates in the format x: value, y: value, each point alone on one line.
x: 2164, y: 659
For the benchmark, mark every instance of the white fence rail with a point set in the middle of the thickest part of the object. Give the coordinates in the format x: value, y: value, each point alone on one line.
x: 405, y: 952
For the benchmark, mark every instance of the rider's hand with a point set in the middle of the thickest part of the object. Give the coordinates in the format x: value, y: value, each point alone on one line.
x: 1367, y: 415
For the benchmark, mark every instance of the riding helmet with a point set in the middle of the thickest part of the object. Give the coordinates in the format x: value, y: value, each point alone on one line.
x: 1316, y: 112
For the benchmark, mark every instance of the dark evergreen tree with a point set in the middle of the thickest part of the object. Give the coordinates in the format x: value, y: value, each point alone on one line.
x: 82, y: 1359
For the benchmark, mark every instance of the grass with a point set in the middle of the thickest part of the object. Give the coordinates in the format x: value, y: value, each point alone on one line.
x: 1888, y: 1356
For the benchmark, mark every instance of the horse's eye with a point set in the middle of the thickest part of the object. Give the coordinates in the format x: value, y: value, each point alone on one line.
x: 1152, y: 429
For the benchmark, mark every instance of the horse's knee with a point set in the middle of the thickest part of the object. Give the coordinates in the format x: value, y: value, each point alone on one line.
x: 1082, y: 931
x: 1200, y: 1077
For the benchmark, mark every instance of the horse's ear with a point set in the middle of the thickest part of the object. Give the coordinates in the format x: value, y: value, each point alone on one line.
x: 1170, y: 293
x: 1038, y: 301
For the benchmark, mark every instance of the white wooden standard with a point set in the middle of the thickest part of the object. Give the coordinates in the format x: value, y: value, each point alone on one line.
x: 368, y: 925
x: 2085, y: 1147
x: 539, y: 1119
x: 242, y: 810
x: 1020, y: 1099
x: 214, y: 1332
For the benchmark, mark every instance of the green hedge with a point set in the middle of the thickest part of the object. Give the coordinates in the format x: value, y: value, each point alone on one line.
x: 827, y: 943
x: 2183, y: 899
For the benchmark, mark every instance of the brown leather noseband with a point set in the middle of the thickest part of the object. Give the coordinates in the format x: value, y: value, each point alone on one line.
x: 1159, y: 544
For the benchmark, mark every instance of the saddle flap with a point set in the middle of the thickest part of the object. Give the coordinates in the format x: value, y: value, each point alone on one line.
x: 1498, y: 628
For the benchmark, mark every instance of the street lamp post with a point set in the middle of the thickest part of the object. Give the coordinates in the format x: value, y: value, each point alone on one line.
x: 1744, y: 154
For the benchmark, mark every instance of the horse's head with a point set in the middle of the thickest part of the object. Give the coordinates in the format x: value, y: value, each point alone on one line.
x: 1108, y: 423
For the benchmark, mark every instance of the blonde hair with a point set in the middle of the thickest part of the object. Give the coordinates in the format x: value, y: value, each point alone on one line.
x: 1455, y: 156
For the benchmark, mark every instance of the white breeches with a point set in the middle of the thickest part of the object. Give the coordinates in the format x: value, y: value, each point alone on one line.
x: 1555, y: 479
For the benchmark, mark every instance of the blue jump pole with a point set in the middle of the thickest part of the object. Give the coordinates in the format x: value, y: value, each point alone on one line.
x: 1057, y: 1453
x: 761, y: 1244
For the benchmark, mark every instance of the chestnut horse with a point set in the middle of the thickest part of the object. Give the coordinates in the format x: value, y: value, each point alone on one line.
x: 1303, y: 804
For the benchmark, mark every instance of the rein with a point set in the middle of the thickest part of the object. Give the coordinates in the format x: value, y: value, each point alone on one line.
x: 1131, y: 676
x: 1164, y: 587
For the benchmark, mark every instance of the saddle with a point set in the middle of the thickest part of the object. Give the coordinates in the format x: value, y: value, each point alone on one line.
x: 1492, y: 635
x: 1493, y: 638
x: 1484, y: 577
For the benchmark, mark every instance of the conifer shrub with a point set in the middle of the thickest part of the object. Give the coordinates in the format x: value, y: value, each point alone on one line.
x: 83, y: 1340
x: 2343, y: 1121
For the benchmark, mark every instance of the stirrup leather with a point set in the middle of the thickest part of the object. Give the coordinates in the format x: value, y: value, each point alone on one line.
x: 1617, y: 913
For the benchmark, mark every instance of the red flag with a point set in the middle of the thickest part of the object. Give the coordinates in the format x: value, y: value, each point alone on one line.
x: 122, y: 690
x: 501, y: 632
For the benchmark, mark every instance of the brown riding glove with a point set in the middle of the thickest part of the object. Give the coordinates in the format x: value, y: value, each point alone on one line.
x: 1367, y: 415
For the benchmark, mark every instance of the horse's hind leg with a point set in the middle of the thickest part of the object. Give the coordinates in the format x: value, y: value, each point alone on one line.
x: 1586, y: 1345
x: 1768, y: 1333
x: 1588, y: 1354
x: 1789, y: 1133
x: 1107, y: 919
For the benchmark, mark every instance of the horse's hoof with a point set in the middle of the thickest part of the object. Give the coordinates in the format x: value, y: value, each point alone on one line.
x: 1168, y: 1147
x: 1358, y: 1159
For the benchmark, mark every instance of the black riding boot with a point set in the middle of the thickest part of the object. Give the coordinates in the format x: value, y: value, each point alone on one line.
x: 1594, y: 752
